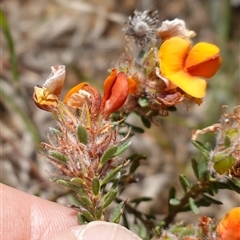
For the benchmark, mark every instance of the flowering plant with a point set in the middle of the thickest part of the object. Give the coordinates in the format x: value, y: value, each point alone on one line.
x: 160, y: 69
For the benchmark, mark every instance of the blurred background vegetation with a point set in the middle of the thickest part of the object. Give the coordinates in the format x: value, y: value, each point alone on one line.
x: 87, y: 37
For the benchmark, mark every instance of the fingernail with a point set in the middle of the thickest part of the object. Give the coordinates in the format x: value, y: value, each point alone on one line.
x: 101, y: 230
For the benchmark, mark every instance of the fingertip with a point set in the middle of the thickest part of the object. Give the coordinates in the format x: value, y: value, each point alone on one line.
x: 97, y: 230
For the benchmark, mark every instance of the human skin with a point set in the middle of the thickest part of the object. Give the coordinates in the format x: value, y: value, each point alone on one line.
x: 23, y: 217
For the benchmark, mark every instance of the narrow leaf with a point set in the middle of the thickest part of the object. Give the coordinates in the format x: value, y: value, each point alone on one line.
x: 111, y: 175
x: 77, y: 181
x: 58, y: 156
x: 211, y: 200
x: 136, y: 129
x: 193, y: 206
x: 109, y: 198
x: 84, y: 200
x: 174, y: 202
x: 81, y: 218
x: 195, y: 167
x: 108, y: 154
x: 95, y: 185
x: 98, y: 212
x: 87, y: 215
x: 82, y: 135
x: 117, y: 214
x: 184, y: 182
x: 146, y: 122
x: 122, y: 148
x: 204, y: 150
x: 141, y: 199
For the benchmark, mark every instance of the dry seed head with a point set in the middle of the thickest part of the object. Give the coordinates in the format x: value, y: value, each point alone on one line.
x: 142, y: 27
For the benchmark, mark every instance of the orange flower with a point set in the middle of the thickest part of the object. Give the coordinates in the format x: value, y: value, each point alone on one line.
x: 116, y: 89
x: 46, y: 97
x: 229, y: 227
x: 183, y: 65
x: 84, y: 93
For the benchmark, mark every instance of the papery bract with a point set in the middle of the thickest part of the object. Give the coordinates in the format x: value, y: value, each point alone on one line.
x: 174, y: 28
x: 229, y: 227
x: 183, y: 65
x: 46, y: 97
x: 116, y: 90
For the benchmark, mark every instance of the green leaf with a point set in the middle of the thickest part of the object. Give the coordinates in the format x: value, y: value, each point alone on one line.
x: 195, y: 167
x: 174, y: 202
x: 82, y: 135
x: 84, y: 200
x: 109, y: 154
x: 202, y: 168
x: 136, y: 129
x: 95, y: 185
x: 135, y: 159
x: 117, y: 214
x: 122, y: 148
x: 211, y: 200
x: 172, y: 193
x: 111, y: 175
x: 109, y: 198
x: 77, y: 180
x: 141, y: 199
x: 81, y: 218
x: 59, y: 156
x: 146, y: 122
x: 66, y: 183
x: 7, y: 33
x: 193, y: 206
x: 87, y: 215
x: 117, y: 180
x: 184, y: 182
x: 98, y: 212
x: 203, y: 149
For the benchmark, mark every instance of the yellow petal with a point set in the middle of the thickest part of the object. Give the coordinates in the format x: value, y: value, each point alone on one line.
x: 203, y: 60
x: 172, y: 55
x: 193, y: 86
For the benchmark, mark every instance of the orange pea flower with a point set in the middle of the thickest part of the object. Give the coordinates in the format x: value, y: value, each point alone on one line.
x: 47, y: 96
x: 183, y: 66
x: 229, y: 227
x: 84, y: 93
x: 116, y: 89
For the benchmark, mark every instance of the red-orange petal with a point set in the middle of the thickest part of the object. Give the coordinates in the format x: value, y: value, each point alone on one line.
x: 203, y: 60
x: 132, y: 86
x: 172, y: 55
x: 115, y: 93
x: 229, y: 227
x: 108, y: 85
